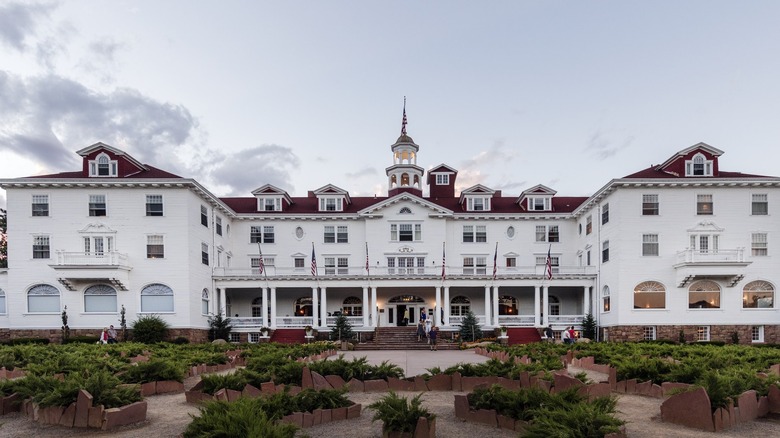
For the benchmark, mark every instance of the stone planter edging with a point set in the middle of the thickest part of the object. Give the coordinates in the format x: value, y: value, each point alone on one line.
x: 82, y: 414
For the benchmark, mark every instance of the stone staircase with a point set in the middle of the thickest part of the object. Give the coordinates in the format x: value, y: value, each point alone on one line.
x: 523, y: 335
x: 403, y: 338
x: 289, y: 336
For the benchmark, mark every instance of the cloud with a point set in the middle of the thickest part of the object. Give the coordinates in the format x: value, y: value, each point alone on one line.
x: 48, y: 117
x: 496, y: 154
x: 510, y: 185
x: 19, y: 21
x: 603, y: 147
x: 368, y: 171
x: 251, y: 168
x: 102, y: 59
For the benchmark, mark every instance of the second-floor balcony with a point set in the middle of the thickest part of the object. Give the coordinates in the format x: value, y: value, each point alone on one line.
x: 724, y: 264
x: 89, y: 267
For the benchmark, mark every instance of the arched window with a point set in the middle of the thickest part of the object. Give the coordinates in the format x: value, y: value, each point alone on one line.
x: 100, y: 298
x: 650, y: 295
x: 460, y: 306
x: 352, y: 306
x: 303, y: 307
x: 507, y: 305
x: 758, y: 295
x: 157, y: 298
x: 704, y: 294
x: 204, y: 302
x: 606, y: 303
x: 555, y: 306
x: 404, y: 179
x: 405, y: 210
x: 43, y: 298
x: 257, y: 307
x: 3, y: 309
x: 393, y: 181
x: 403, y: 299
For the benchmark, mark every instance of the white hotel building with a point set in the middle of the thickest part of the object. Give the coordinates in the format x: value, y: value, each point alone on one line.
x: 680, y: 248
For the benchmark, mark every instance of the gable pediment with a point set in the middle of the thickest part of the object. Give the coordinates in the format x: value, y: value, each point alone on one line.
x: 97, y: 228
x: 404, y: 198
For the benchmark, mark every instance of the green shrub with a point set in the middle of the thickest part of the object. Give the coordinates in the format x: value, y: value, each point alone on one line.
x: 181, y: 340
x: 104, y: 387
x: 149, y: 329
x: 240, y: 418
x: 584, y: 419
x: 81, y: 340
x: 219, y: 327
x: 154, y: 370
x: 214, y: 382
x: 25, y: 341
x: 398, y: 414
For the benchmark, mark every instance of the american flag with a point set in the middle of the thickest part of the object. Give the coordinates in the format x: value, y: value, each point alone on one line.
x: 443, y: 260
x: 548, y: 264
x: 313, y: 261
x: 403, y: 122
x: 495, y: 262
x: 261, y: 263
x: 367, y: 270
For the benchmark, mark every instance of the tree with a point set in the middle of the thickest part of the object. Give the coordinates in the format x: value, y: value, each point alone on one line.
x: 469, y: 328
x: 342, y: 330
x: 219, y: 327
x: 3, y: 239
x: 589, y: 327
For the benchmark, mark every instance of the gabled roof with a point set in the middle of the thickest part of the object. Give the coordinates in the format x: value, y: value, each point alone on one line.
x: 405, y: 196
x: 270, y: 190
x: 330, y: 189
x: 477, y: 189
x: 685, y: 152
x: 537, y: 190
x: 442, y: 168
x: 149, y: 173
x: 118, y: 152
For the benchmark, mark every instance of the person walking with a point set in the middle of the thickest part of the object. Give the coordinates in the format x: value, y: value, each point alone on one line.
x: 572, y: 335
x: 433, y: 336
x: 548, y: 334
x: 565, y: 336
x: 406, y: 316
x: 420, y: 331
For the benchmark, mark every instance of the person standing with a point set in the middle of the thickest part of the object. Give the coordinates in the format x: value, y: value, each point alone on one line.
x: 420, y: 331
x: 565, y: 336
x: 433, y: 336
x: 406, y: 316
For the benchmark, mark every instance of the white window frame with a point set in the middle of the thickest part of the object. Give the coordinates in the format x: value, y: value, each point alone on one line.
x: 757, y: 334
x: 474, y: 233
x: 154, y: 205
x: 157, y: 298
x: 331, y: 204
x: 336, y: 265
x: 395, y: 231
x: 699, y: 283
x: 759, y: 204
x: 650, y: 205
x: 605, y: 214
x: 204, y: 216
x: 98, y: 204
x: 703, y: 333
x: 705, y: 166
x: 705, y: 204
x: 40, y: 205
x: 43, y: 296
x: 548, y: 233
x: 475, y: 265
x: 95, y: 302
x: 759, y: 245
x: 3, y: 303
x: 588, y: 225
x: 539, y: 204
x: 41, y: 249
x: 204, y: 253
x: 764, y: 290
x: 605, y: 251
x: 606, y: 301
x: 271, y: 204
x: 649, y: 333
x: 218, y: 225
x: 204, y: 302
x: 442, y: 179
x: 262, y: 234
x: 650, y: 245
x: 555, y: 262
x: 478, y: 203
x: 647, y: 288
x: 155, y: 241
x: 336, y: 234
x: 111, y: 166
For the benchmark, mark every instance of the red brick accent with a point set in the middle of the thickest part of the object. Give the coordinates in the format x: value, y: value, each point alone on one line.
x: 690, y: 409
x: 337, y: 382
x: 132, y: 413
x: 375, y: 385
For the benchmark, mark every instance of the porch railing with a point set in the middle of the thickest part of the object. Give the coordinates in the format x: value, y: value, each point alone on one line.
x: 294, y: 321
x: 355, y: 321
x: 565, y: 319
x: 517, y: 321
x: 457, y: 320
x: 427, y: 271
x: 246, y: 322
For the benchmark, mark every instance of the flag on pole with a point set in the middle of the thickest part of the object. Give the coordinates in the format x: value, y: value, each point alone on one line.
x: 261, y: 264
x: 495, y: 262
x: 548, y: 264
x: 443, y: 260
x: 313, y: 261
x: 368, y: 272
x: 403, y: 122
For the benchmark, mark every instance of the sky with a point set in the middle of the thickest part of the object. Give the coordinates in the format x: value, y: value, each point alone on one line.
x: 300, y: 94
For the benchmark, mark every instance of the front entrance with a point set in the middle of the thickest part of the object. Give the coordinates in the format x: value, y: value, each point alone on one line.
x: 397, y: 308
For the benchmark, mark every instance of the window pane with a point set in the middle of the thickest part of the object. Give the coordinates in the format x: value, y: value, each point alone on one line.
x: 100, y: 303
x: 43, y: 303
x: 151, y: 303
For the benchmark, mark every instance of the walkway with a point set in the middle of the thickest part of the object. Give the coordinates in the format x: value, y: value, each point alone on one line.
x: 416, y: 362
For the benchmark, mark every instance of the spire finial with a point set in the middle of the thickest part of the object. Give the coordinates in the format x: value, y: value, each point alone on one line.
x: 403, y: 122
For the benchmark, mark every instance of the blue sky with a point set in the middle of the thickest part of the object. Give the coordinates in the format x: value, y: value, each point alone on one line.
x: 237, y: 94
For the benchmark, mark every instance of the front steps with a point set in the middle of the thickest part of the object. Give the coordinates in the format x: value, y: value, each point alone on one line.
x: 523, y: 335
x: 289, y: 336
x: 404, y: 338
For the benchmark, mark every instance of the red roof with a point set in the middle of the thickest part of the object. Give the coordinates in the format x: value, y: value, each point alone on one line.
x: 655, y: 172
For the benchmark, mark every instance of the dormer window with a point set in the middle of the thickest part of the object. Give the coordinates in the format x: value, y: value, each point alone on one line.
x: 331, y: 204
x: 103, y: 165
x: 478, y: 204
x: 698, y: 166
x: 539, y: 204
x: 272, y: 204
x: 442, y: 179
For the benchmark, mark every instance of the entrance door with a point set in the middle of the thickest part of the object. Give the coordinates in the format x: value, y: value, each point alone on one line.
x: 402, y: 310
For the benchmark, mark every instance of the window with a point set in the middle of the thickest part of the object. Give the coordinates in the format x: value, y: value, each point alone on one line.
x: 352, y: 306
x: 204, y: 302
x: 3, y: 309
x: 759, y: 206
x: 204, y: 253
x: 299, y: 233
x: 259, y: 268
x: 650, y: 295
x: 234, y: 338
x: 698, y: 166
x: 460, y: 306
x: 604, y: 214
x: 511, y: 262
x: 587, y: 256
x: 473, y: 233
x: 605, y: 299
x: 303, y: 306
x: 758, y: 245
x: 219, y: 225
x: 204, y: 216
x: 257, y: 307
x: 405, y: 210
x: 703, y: 204
x: 155, y: 247
x: 649, y: 205
x: 704, y: 294
x: 605, y: 251
x: 648, y: 333
x: 539, y: 204
x: 331, y: 204
x: 477, y: 204
x: 272, y: 204
x: 705, y: 243
x: 100, y: 298
x: 103, y: 165
x: 41, y: 249
x: 157, y: 298
x: 650, y: 244
x: 474, y: 265
x: 507, y: 305
x: 757, y: 333
x: 336, y: 234
x: 97, y: 205
x: 510, y: 231
x: 98, y: 245
x: 442, y: 179
x: 261, y: 234
x: 703, y: 333
x: 336, y: 265
x: 40, y: 205
x: 299, y: 262
x: 405, y: 265
x: 154, y: 205
x: 758, y: 295
x: 406, y: 232
x: 547, y: 233
x: 43, y: 298
x: 253, y: 338
x: 554, y: 263
x: 589, y: 225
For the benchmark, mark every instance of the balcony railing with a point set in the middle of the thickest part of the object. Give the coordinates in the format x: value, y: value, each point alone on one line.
x: 111, y: 258
x: 691, y: 255
x: 458, y: 320
x: 517, y: 321
x: 294, y: 321
x: 355, y: 321
x: 421, y: 272
x: 566, y: 319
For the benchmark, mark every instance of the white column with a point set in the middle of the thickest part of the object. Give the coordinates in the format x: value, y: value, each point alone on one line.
x: 273, y: 307
x: 218, y: 302
x: 324, y: 307
x: 374, y: 317
x: 495, y: 306
x: 437, y: 307
x: 546, y: 305
x: 586, y: 300
x: 537, y: 307
x: 315, y: 307
x: 446, y: 305
x: 366, y: 305
x: 488, y: 305
x: 264, y: 310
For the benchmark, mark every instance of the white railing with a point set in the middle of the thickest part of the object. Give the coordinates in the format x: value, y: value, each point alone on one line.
x: 691, y: 255
x: 457, y: 320
x: 355, y: 321
x: 294, y: 321
x: 246, y: 322
x: 383, y: 271
x: 517, y: 321
x: 112, y: 258
x: 565, y: 319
